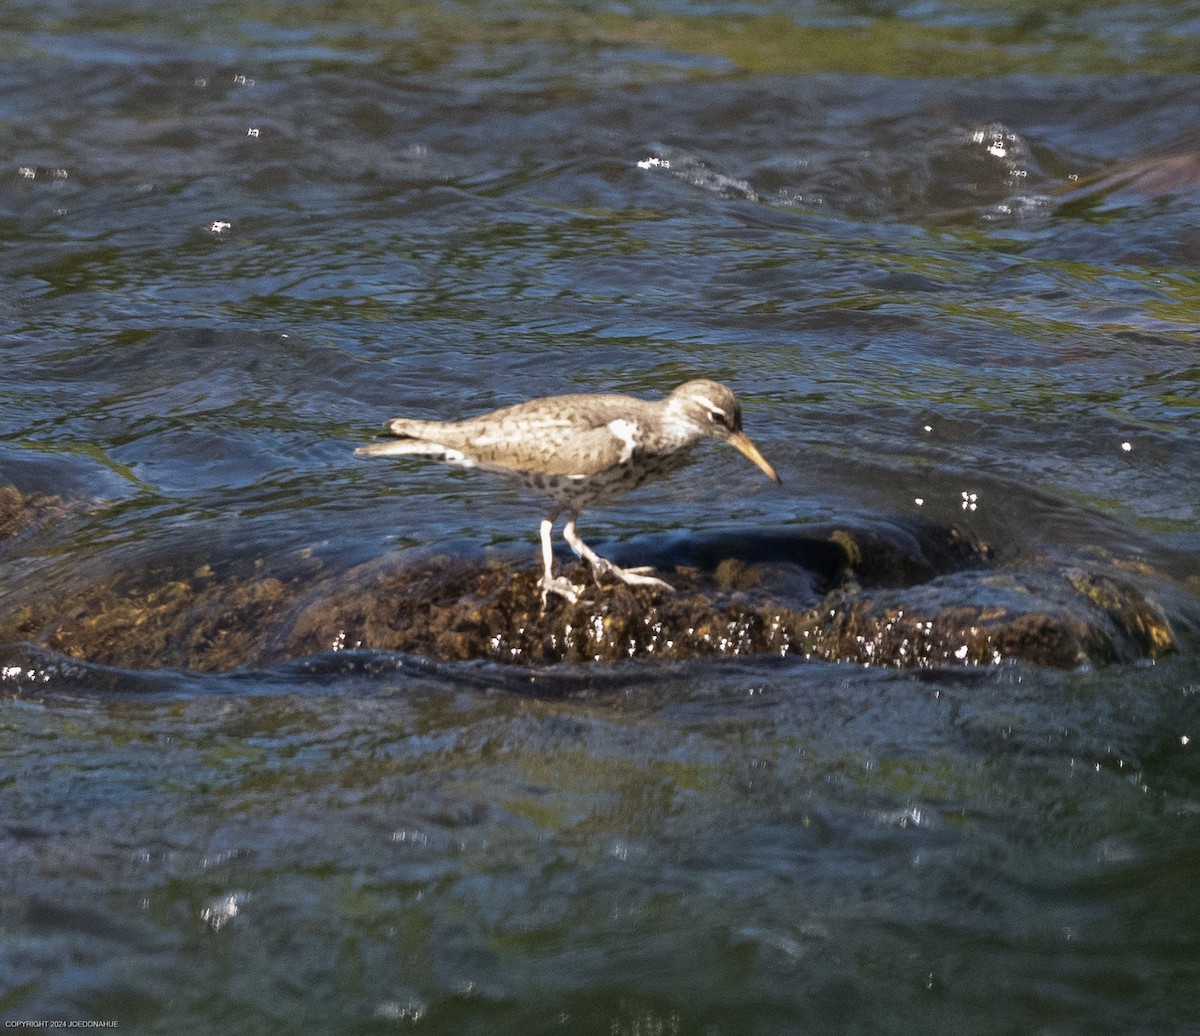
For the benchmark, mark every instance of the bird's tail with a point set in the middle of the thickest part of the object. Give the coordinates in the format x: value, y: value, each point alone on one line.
x: 411, y: 428
x: 404, y: 448
x: 415, y: 439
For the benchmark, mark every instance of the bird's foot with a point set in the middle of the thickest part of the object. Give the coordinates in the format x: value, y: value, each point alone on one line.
x: 560, y: 586
x: 630, y: 576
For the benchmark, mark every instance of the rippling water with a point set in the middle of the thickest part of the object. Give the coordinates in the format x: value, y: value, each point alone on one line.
x: 949, y: 256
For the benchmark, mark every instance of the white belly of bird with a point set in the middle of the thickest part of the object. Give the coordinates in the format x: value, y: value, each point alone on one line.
x: 581, y: 491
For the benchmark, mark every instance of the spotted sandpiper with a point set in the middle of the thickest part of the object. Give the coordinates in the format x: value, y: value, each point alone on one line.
x: 579, y: 450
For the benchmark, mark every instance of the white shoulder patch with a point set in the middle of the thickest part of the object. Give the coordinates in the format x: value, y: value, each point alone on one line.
x: 627, y: 432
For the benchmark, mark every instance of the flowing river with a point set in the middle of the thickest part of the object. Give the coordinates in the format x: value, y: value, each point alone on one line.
x: 948, y: 256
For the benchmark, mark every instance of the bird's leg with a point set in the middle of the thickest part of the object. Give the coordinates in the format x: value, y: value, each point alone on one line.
x: 602, y: 566
x: 552, y: 584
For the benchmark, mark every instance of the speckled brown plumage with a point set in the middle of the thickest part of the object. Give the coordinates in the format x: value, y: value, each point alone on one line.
x: 580, y: 450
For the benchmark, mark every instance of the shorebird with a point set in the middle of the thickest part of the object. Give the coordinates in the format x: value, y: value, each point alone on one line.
x: 580, y: 450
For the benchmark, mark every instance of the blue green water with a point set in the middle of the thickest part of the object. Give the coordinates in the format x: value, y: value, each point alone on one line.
x: 234, y: 238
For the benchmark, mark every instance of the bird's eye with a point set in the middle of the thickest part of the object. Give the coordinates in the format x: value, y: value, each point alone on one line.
x: 713, y: 416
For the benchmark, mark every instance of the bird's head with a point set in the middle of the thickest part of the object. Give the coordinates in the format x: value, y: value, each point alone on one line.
x: 712, y: 411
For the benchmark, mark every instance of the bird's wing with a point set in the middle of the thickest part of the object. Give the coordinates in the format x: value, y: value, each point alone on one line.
x: 577, y: 435
x: 551, y: 448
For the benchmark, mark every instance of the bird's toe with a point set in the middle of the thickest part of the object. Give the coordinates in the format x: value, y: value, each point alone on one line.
x: 631, y: 576
x: 562, y: 587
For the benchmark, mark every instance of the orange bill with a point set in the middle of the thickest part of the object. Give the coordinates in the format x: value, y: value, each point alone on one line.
x: 746, y: 448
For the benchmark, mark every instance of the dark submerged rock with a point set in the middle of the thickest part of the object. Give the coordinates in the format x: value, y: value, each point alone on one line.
x: 891, y: 592
x: 193, y: 622
x: 19, y: 511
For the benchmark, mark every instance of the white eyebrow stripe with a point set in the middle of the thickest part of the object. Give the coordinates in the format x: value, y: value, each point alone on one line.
x: 705, y: 401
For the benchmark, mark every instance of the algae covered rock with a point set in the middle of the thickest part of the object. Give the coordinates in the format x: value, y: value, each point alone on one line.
x: 893, y: 592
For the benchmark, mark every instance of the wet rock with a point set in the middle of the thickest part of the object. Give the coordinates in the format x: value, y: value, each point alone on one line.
x: 196, y: 622
x: 1171, y: 169
x: 894, y: 592
x: 853, y: 605
x: 736, y: 594
x: 454, y: 612
x: 18, y: 510
x: 1052, y: 615
x: 865, y: 633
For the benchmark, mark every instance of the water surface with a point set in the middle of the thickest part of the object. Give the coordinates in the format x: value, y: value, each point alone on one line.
x: 947, y: 254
